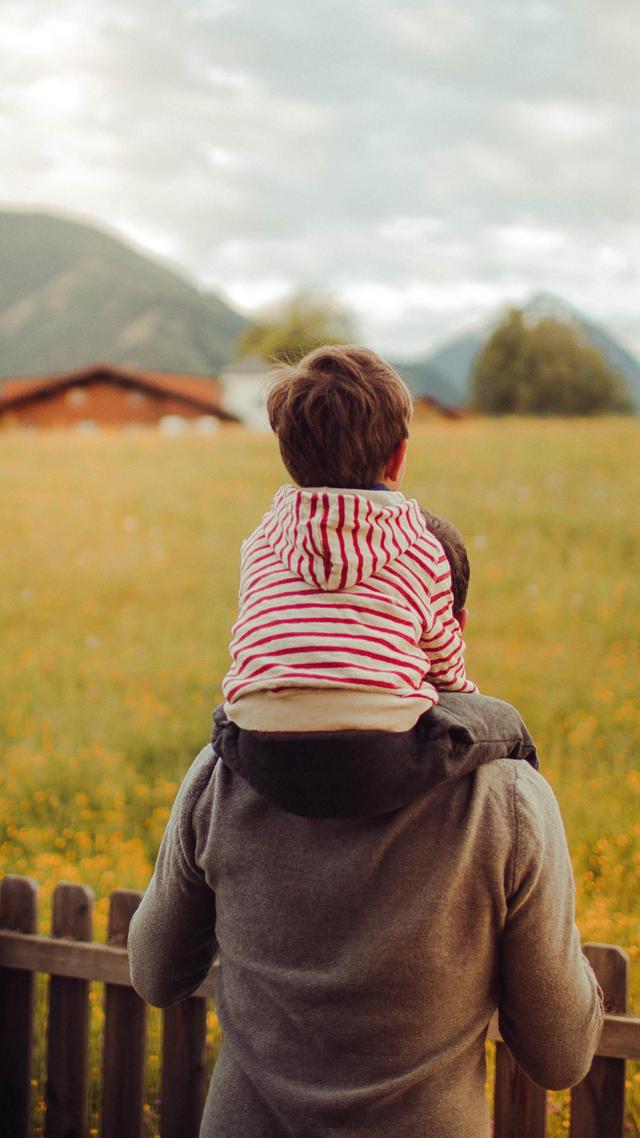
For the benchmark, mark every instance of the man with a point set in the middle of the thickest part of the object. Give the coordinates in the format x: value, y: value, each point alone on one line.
x: 363, y: 952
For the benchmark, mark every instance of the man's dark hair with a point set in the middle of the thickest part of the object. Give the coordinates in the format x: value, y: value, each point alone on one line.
x: 455, y: 552
x: 339, y: 414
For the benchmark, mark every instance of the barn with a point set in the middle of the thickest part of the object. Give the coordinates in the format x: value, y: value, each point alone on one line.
x: 103, y: 395
x: 427, y: 406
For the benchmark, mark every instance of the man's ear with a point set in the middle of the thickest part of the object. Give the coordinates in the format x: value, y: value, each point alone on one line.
x: 395, y: 463
x: 462, y: 617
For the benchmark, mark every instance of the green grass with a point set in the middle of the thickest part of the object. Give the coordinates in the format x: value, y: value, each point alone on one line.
x: 118, y: 590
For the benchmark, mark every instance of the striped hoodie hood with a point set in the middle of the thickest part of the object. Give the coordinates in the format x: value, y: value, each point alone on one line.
x: 335, y: 539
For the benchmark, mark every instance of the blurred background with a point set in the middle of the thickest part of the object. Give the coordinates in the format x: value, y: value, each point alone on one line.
x: 187, y: 185
x: 193, y: 190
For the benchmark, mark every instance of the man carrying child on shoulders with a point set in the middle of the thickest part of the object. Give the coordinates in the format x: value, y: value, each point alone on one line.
x: 363, y: 845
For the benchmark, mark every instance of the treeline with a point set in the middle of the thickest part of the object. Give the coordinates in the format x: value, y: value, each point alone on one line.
x: 544, y: 367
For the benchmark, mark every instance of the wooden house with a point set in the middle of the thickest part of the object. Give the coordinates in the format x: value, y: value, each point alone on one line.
x: 104, y: 395
x: 244, y: 385
x: 427, y: 406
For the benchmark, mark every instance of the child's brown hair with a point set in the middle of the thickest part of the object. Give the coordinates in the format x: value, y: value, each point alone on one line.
x: 338, y: 414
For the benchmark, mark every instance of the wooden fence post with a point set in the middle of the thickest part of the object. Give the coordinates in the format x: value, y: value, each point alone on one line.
x: 18, y: 912
x: 68, y: 1044
x: 124, y: 1037
x: 597, y: 1103
x: 520, y: 1107
x: 183, y: 1069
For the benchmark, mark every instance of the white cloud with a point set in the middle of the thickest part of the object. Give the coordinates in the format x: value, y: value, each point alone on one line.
x: 411, y: 229
x: 436, y: 31
x: 420, y: 158
x: 524, y: 243
x: 253, y: 296
x: 563, y: 120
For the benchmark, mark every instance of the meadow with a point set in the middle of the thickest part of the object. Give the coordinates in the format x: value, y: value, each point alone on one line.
x: 118, y: 588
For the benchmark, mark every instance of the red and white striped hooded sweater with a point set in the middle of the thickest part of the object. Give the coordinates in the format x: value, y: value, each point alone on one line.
x: 346, y: 616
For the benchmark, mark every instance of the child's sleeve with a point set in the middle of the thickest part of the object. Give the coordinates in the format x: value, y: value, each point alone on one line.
x: 247, y: 556
x: 442, y: 640
x: 242, y: 585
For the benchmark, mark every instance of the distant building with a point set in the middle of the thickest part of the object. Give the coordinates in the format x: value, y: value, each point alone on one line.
x: 244, y: 390
x: 103, y: 395
x: 427, y: 406
x: 245, y: 384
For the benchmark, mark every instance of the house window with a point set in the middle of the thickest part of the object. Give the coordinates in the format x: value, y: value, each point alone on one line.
x: 76, y: 396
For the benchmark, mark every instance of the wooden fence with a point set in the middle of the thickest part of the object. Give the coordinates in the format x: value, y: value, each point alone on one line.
x: 72, y: 960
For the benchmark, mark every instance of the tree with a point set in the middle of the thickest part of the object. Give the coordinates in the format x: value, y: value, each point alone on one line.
x: 498, y: 373
x: 296, y: 327
x: 546, y: 368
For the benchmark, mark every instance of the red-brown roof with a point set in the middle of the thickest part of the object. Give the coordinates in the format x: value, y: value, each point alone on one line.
x: 445, y: 409
x: 201, y: 393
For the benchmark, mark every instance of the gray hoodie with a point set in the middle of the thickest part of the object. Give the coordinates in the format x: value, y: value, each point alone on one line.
x: 361, y: 957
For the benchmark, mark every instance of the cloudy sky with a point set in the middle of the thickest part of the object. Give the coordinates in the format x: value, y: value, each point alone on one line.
x: 421, y: 160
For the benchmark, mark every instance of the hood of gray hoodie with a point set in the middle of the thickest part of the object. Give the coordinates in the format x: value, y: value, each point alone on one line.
x: 356, y: 774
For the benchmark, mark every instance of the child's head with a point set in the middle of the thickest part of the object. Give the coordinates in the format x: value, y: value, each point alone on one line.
x: 455, y: 552
x: 342, y: 417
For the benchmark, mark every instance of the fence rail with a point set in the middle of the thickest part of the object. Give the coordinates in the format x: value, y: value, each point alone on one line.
x: 72, y: 960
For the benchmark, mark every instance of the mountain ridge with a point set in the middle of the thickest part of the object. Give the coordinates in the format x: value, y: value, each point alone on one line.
x: 454, y: 358
x: 71, y: 293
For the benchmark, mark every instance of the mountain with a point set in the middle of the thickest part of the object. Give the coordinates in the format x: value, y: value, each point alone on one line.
x: 422, y: 377
x: 455, y: 359
x: 71, y: 294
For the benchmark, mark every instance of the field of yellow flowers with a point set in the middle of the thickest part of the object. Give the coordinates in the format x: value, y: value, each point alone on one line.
x: 118, y: 590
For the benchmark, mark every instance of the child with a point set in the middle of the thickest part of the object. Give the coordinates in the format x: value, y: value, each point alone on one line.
x: 348, y: 630
x: 346, y: 612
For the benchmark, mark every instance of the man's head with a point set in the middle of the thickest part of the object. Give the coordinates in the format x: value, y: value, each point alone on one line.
x: 455, y: 552
x: 342, y: 417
